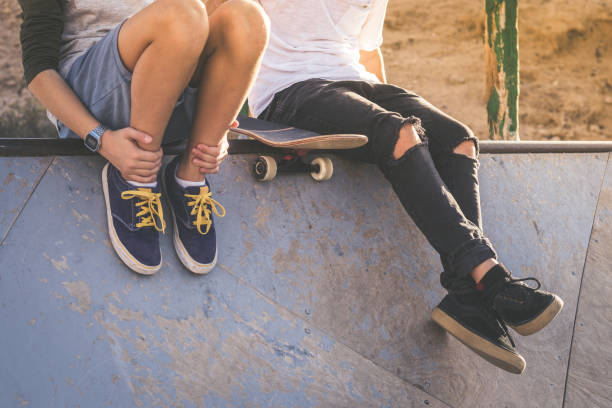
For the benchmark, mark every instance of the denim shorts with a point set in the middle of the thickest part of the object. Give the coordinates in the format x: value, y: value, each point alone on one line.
x: 103, y: 84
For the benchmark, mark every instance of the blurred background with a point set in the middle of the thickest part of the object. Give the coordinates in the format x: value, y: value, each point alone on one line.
x: 435, y: 48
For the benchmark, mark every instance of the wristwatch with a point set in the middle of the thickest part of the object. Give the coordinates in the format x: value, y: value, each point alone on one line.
x: 92, y: 140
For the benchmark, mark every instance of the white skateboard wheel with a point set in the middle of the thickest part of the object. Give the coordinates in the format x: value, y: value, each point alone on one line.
x: 265, y: 168
x: 326, y: 169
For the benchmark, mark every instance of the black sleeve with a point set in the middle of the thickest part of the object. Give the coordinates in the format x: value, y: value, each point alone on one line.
x: 40, y: 35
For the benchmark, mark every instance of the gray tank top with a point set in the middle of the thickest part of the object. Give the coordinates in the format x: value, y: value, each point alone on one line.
x: 87, y: 21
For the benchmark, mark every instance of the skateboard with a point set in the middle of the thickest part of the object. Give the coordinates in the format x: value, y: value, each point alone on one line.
x: 293, y: 148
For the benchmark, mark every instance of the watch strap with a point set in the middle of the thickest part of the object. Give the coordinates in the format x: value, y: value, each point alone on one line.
x: 92, y: 140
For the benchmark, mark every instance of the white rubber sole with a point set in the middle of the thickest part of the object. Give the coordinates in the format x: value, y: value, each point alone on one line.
x: 186, y: 259
x: 499, y: 357
x: 542, y: 320
x: 181, y: 252
x: 121, y: 251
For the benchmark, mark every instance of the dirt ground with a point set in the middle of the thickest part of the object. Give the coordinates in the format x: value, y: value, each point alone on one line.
x: 437, y: 51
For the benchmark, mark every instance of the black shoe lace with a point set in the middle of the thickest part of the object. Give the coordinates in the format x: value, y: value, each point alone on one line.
x: 525, y: 280
x: 514, y: 289
x: 468, y: 288
x: 504, y: 328
x: 508, y: 285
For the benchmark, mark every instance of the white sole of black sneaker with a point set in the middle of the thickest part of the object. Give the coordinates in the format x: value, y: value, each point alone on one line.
x: 542, y: 320
x: 498, y: 356
x: 181, y: 252
x: 121, y: 251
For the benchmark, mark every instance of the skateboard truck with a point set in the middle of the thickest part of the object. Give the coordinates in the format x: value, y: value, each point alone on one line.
x: 265, y: 168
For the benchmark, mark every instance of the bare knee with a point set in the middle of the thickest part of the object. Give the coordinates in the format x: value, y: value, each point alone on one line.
x: 466, y: 148
x: 408, y: 138
x: 177, y: 28
x: 244, y: 27
x: 185, y: 22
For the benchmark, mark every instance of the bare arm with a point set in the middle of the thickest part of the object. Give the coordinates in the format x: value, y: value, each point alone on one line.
x: 118, y: 146
x: 40, y: 37
x: 51, y: 89
x: 374, y: 63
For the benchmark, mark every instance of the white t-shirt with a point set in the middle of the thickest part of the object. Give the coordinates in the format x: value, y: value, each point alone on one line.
x: 316, y: 39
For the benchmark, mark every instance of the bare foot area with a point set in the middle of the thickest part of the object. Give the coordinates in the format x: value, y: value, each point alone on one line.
x: 435, y: 48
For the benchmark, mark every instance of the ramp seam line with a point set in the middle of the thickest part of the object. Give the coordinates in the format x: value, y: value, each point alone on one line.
x: 299, y: 317
x: 586, y: 258
x: 27, y: 199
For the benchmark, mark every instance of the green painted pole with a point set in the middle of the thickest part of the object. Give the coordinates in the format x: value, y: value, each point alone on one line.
x: 501, y: 53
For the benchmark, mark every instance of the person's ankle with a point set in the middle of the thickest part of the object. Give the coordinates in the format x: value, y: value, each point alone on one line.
x: 481, y: 270
x: 492, y: 282
x: 186, y: 172
x: 152, y: 184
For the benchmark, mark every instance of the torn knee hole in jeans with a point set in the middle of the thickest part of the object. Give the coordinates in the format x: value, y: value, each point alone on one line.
x: 416, y: 125
x: 467, y: 141
x: 404, y: 144
x: 422, y: 144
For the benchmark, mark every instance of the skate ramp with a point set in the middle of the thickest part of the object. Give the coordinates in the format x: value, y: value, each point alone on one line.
x: 321, y: 297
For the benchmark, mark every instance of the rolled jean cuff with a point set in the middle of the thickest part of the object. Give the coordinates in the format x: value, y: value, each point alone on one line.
x: 470, y: 255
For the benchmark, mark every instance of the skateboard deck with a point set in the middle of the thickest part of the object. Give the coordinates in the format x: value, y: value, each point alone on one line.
x: 290, y: 147
x: 286, y: 137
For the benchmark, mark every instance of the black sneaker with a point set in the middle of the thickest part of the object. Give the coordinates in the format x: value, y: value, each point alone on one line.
x: 135, y: 218
x: 195, y: 239
x: 473, y: 324
x: 527, y: 310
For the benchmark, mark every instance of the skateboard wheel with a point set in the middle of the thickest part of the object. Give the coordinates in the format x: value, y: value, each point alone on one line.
x: 326, y: 168
x: 265, y: 168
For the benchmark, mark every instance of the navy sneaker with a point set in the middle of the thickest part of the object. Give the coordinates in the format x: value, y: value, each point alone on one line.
x: 135, y: 218
x: 195, y: 240
x: 468, y: 319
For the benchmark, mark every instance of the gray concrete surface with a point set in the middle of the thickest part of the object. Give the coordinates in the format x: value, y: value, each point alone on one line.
x: 18, y: 179
x: 589, y: 382
x: 321, y: 297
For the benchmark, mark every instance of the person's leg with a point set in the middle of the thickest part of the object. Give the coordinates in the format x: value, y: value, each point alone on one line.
x: 226, y: 69
x: 103, y: 81
x: 454, y: 149
x: 455, y: 154
x: 400, y: 150
x: 154, y: 53
x: 236, y: 42
x: 346, y: 107
x: 161, y: 46
x: 402, y: 153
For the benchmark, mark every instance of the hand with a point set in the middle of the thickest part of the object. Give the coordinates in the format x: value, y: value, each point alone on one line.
x: 121, y: 148
x: 208, y: 158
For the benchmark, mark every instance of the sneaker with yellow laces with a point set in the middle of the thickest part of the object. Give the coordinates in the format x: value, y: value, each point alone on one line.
x: 195, y: 239
x: 135, y: 219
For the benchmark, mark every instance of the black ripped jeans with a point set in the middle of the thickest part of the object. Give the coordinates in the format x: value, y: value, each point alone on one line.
x: 437, y: 187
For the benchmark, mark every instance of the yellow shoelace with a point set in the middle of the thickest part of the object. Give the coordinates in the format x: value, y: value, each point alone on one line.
x: 150, y: 208
x: 202, y: 204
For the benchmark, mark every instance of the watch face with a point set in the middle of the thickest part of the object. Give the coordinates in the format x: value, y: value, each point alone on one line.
x: 91, y: 143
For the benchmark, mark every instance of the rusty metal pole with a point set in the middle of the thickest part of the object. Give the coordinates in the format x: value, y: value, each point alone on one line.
x: 501, y: 53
